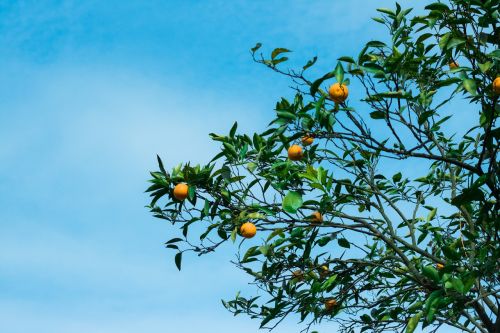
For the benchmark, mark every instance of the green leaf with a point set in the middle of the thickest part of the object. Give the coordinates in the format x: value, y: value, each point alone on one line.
x: 160, y: 164
x: 256, y: 47
x: 178, y: 260
x: 344, y: 243
x: 315, y: 85
x: 431, y: 304
x: 329, y: 282
x: 230, y: 149
x: 233, y: 234
x: 174, y: 240
x: 431, y: 214
x: 486, y: 66
x: 386, y: 11
x: 250, y: 252
x: 278, y: 51
x: 397, y: 177
x: 437, y: 6
x: 286, y: 115
x: 377, y: 115
x: 376, y: 44
x: 279, y: 60
x: 251, y: 166
x: 454, y: 42
x: 431, y: 273
x: 347, y: 59
x: 310, y: 63
x: 222, y: 233
x: 458, y: 285
x: 468, y: 195
x: 292, y: 202
x: 264, y: 249
x: 424, y: 116
x: 443, y: 41
x: 470, y: 86
x: 233, y: 129
x: 450, y: 253
x: 339, y: 72
x: 413, y: 322
x: 495, y: 54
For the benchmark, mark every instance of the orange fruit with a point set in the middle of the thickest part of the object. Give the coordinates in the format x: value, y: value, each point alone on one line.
x: 248, y: 229
x: 295, y: 153
x: 298, y: 274
x: 330, y: 304
x: 453, y: 64
x: 439, y: 266
x: 181, y: 191
x: 307, y: 140
x: 323, y: 271
x: 316, y: 218
x: 496, y: 86
x: 338, y: 92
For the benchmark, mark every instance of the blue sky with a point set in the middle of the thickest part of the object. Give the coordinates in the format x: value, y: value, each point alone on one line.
x: 90, y: 92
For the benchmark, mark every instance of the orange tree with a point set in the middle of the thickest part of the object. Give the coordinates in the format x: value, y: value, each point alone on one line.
x: 339, y: 233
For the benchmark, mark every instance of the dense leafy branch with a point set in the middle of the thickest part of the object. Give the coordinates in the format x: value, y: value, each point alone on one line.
x: 343, y: 238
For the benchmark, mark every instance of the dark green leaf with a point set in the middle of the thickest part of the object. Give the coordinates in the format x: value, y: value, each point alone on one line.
x: 397, y: 177
x: 233, y: 129
x: 450, y: 253
x: 347, y: 59
x: 315, y: 85
x: 344, y: 243
x: 278, y: 51
x: 377, y: 115
x: 437, y: 6
x: 310, y: 63
x: 256, y: 47
x: 178, y: 260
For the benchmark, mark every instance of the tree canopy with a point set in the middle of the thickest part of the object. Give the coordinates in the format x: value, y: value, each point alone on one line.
x: 364, y: 206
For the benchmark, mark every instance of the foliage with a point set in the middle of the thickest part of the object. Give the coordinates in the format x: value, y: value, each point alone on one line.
x: 396, y: 249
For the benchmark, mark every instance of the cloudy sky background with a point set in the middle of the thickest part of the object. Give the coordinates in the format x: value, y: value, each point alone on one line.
x: 90, y: 92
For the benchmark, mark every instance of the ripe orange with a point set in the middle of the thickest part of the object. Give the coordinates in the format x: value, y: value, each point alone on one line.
x: 298, y: 274
x: 181, y: 191
x: 439, y: 266
x: 330, y: 304
x: 295, y: 153
x: 307, y: 140
x: 496, y: 86
x: 453, y: 64
x: 248, y: 229
x: 338, y: 93
x: 316, y: 218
